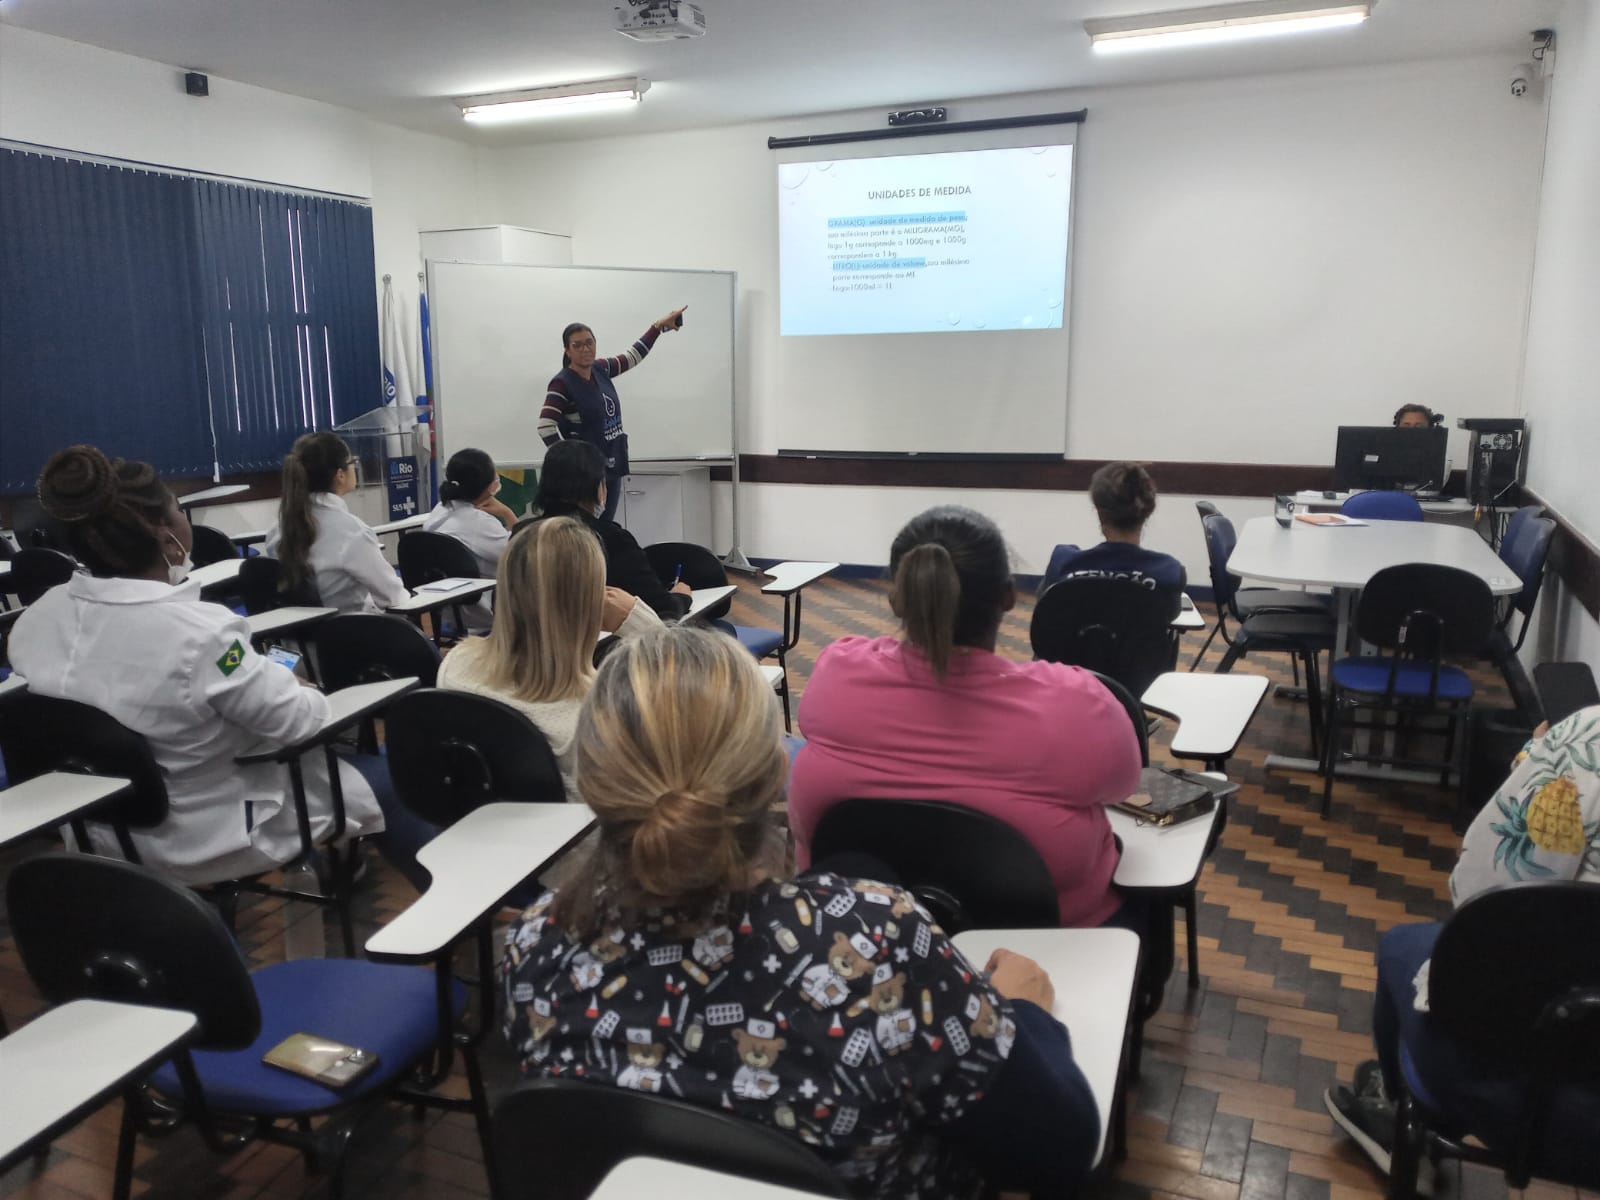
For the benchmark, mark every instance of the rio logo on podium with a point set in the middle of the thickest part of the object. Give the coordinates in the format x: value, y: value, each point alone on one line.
x: 402, y: 488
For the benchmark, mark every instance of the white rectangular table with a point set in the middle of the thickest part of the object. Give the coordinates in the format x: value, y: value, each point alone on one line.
x: 56, y: 798
x: 64, y: 1063
x: 474, y: 864
x: 283, y: 621
x: 659, y: 1179
x: 421, y: 602
x: 1212, y: 711
x: 1094, y: 972
x: 701, y: 599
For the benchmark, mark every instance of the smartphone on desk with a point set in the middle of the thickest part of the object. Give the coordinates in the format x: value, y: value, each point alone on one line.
x: 283, y: 657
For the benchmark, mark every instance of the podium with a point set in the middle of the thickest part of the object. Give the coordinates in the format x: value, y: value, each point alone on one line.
x: 393, y: 446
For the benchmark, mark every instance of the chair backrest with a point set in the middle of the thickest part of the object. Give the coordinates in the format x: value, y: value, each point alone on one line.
x: 1221, y: 539
x: 1382, y: 506
x: 556, y: 1139
x: 98, y: 928
x: 1514, y: 525
x: 354, y: 648
x: 1525, y: 553
x: 1135, y: 711
x: 973, y: 870
x: 429, y: 557
x: 36, y: 570
x: 1514, y: 981
x: 211, y: 545
x: 1438, y: 611
x: 450, y: 752
x: 1206, y: 509
x: 701, y: 569
x: 1113, y: 626
x: 260, y: 585
x: 39, y: 734
x: 1564, y: 688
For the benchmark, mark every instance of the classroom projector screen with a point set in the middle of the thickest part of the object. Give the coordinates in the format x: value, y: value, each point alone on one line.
x: 955, y: 242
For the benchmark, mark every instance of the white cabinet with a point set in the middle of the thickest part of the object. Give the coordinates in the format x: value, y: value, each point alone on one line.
x: 667, y: 505
x: 497, y: 244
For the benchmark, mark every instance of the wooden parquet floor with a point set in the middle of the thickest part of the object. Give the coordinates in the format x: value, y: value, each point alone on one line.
x: 1228, y: 1105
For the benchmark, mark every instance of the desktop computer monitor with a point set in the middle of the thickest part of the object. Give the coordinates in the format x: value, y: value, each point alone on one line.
x: 1381, y: 456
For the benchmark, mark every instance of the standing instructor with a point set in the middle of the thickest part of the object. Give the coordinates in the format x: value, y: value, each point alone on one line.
x: 581, y: 402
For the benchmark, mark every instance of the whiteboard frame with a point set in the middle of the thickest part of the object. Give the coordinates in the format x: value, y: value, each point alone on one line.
x: 735, y: 557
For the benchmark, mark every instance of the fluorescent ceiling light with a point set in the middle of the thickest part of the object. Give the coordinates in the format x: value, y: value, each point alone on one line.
x: 552, y: 101
x: 1221, y: 23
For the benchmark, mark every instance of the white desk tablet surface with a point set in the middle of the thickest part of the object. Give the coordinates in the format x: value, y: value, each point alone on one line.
x: 1212, y: 711
x: 52, y: 799
x: 658, y: 1179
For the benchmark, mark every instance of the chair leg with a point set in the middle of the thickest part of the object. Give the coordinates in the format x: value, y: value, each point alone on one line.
x: 122, y: 1181
x: 1314, y: 701
x: 1330, y: 749
x: 1205, y: 645
x: 343, y: 862
x: 1234, y: 654
x: 1403, y: 1155
x: 1191, y: 929
x: 1294, y: 665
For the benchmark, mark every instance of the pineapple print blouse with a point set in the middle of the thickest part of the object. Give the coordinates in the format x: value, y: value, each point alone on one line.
x: 1544, y: 822
x: 832, y: 1009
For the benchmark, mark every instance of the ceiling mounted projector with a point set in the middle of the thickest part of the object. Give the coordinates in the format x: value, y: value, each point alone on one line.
x: 659, y: 20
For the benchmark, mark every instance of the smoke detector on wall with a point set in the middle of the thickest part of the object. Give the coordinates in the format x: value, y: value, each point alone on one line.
x: 659, y: 20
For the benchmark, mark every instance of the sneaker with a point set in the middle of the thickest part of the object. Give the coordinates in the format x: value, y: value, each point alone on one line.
x: 1368, y: 1082
x: 1370, y: 1122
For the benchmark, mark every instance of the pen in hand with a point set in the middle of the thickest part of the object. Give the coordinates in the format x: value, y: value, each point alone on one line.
x: 678, y: 578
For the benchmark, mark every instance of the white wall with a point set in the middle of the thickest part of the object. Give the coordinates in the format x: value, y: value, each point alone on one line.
x: 1561, y: 381
x: 1256, y: 262
x: 65, y: 94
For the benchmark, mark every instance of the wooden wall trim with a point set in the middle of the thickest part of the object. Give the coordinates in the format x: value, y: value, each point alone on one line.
x: 1573, y: 557
x: 1063, y: 475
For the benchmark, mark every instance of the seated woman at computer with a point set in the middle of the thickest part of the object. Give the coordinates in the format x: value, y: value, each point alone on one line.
x: 1416, y: 416
x: 1124, y: 496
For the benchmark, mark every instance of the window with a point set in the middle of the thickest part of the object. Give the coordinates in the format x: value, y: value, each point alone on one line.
x: 189, y: 322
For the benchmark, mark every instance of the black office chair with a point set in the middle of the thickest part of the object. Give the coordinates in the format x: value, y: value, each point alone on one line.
x: 1564, y: 688
x: 8, y: 619
x: 40, y: 734
x: 98, y: 928
x: 451, y: 752
x: 971, y: 870
x: 36, y: 570
x: 1234, y: 601
x: 1514, y: 984
x: 429, y: 557
x: 211, y: 545
x: 1112, y: 626
x: 354, y: 648
x: 556, y: 1139
x: 1525, y: 549
x: 1135, y: 711
x: 1422, y: 613
x: 260, y: 585
x: 7, y: 553
x: 1302, y: 635
x: 701, y: 569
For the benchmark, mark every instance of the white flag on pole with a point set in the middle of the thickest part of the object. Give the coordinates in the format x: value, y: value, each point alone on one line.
x: 396, y: 374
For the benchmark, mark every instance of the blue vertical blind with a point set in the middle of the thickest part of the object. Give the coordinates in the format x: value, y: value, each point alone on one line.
x: 184, y: 321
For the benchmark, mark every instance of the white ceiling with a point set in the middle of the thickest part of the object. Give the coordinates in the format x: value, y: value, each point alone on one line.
x: 401, y: 60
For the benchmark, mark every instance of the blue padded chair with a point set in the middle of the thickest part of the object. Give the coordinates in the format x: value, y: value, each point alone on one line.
x: 1514, y: 990
x: 1382, y: 506
x: 1524, y: 549
x: 1241, y: 603
x: 1420, y: 612
x: 104, y: 929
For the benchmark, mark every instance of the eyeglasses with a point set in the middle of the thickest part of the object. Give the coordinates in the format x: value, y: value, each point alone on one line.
x: 349, y: 463
x: 586, y: 344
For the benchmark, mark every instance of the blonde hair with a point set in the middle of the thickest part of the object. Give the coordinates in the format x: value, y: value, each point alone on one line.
x: 680, y: 755
x: 551, y: 589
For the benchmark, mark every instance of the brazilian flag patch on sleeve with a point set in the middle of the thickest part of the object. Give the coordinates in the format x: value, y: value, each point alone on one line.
x: 231, y: 658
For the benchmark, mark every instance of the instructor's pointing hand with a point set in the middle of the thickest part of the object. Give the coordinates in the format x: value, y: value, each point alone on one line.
x: 673, y: 320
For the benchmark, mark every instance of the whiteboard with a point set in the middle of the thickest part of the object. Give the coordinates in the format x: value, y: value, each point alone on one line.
x: 497, y: 343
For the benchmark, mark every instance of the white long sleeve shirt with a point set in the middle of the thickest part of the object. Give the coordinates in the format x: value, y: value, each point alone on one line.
x: 180, y: 671
x: 347, y: 562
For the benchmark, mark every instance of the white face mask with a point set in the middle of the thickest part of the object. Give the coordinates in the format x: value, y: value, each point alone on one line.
x: 178, y: 571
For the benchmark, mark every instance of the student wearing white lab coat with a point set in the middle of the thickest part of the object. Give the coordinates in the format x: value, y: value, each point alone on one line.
x: 318, y: 539
x: 179, y: 671
x: 468, y: 512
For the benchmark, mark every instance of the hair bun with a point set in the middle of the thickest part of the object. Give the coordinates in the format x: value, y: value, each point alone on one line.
x: 684, y: 845
x: 78, y: 483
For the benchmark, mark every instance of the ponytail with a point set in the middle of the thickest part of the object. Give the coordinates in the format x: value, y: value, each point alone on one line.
x: 308, y: 467
x: 952, y: 582
x: 926, y: 597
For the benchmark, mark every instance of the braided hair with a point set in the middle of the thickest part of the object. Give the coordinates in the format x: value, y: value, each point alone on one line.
x: 108, y: 512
